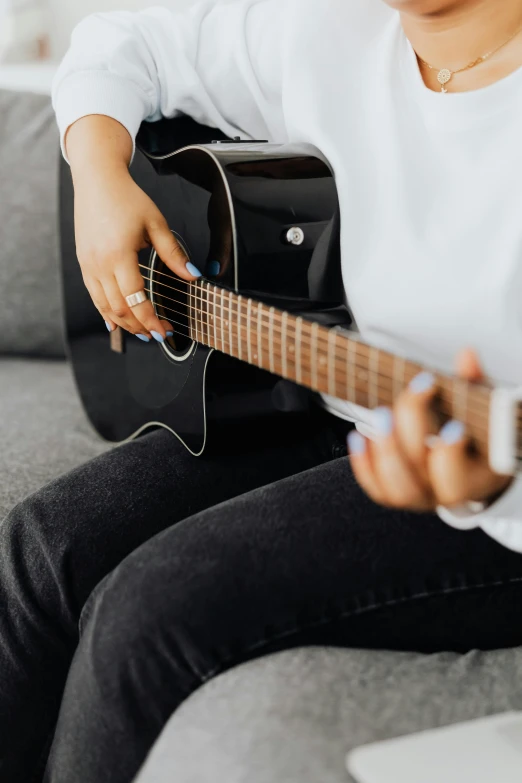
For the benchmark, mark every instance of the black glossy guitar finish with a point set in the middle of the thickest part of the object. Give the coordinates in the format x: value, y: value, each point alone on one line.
x: 235, y: 203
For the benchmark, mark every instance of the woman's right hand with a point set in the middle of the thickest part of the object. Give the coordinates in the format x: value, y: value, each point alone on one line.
x: 114, y: 220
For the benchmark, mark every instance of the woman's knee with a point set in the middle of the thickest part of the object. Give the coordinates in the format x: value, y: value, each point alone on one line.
x: 147, y: 625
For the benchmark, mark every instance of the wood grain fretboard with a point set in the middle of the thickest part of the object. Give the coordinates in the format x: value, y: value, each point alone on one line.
x: 328, y: 360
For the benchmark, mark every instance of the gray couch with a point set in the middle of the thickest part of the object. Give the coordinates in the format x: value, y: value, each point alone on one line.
x: 289, y: 718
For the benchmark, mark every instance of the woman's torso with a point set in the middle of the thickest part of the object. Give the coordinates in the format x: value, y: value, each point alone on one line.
x: 429, y: 187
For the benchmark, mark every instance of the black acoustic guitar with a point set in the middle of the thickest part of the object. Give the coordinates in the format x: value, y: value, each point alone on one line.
x: 271, y: 321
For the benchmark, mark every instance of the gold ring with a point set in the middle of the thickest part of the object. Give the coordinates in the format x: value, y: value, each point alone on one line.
x: 136, y: 299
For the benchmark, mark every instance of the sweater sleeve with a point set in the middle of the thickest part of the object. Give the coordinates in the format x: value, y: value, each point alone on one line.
x: 220, y: 64
x: 502, y: 520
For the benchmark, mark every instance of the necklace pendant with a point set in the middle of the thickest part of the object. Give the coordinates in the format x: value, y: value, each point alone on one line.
x: 443, y: 77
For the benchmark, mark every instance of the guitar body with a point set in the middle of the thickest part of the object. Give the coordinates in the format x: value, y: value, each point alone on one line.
x: 229, y: 201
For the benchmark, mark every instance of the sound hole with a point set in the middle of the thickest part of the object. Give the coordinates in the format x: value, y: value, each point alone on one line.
x: 169, y: 295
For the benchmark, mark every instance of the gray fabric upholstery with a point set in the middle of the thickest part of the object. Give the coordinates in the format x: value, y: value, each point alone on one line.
x: 30, y: 296
x: 292, y: 717
x: 43, y: 431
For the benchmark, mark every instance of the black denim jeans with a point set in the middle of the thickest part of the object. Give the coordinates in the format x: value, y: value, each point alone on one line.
x: 131, y: 581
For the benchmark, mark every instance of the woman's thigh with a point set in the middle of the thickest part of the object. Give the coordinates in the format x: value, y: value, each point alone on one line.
x: 309, y: 560
x: 57, y: 545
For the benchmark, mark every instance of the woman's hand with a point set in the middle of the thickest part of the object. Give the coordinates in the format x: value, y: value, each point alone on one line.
x: 114, y: 220
x: 400, y: 471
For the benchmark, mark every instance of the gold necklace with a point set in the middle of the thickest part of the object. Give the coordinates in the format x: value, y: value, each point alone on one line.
x: 445, y: 75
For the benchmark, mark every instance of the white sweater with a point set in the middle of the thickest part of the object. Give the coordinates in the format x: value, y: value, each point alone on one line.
x: 429, y: 184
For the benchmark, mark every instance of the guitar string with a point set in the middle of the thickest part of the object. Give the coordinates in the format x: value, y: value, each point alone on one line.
x: 362, y: 346
x: 209, y: 327
x: 322, y: 373
x: 339, y: 359
x: 206, y: 300
x: 385, y: 389
x: 341, y: 363
x: 475, y: 405
x: 225, y: 306
x: 271, y: 317
x: 472, y: 388
x: 355, y: 386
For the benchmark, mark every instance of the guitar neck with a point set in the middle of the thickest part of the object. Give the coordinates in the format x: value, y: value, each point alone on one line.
x: 327, y: 360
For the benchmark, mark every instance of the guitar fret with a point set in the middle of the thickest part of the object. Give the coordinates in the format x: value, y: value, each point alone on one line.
x: 230, y: 311
x: 239, y: 335
x: 259, y: 355
x: 222, y: 320
x: 331, y: 358
x: 315, y: 381
x: 202, y: 311
x: 284, y: 332
x: 193, y: 322
x: 249, y: 330
x: 460, y: 399
x: 271, y: 339
x: 373, y: 393
x: 298, y: 335
x: 214, y: 318
x: 351, y: 391
x: 399, y: 376
x: 209, y: 317
x: 200, y: 314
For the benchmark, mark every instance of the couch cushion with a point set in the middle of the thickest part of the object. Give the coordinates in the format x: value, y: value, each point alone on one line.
x: 292, y: 717
x: 30, y: 295
x: 43, y: 431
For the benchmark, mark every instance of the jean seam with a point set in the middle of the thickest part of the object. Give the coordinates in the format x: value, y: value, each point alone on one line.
x: 84, y: 612
x: 353, y: 612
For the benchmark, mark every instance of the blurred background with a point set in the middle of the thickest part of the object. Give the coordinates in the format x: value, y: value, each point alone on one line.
x: 34, y: 35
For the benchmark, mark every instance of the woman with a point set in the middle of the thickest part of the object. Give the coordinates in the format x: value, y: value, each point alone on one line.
x: 157, y: 571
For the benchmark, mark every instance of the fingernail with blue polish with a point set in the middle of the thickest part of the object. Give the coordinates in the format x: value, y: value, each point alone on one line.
x: 214, y: 268
x: 143, y: 338
x: 170, y: 334
x: 356, y: 443
x: 452, y: 432
x: 193, y: 270
x: 422, y: 382
x: 158, y: 337
x: 109, y: 327
x: 383, y: 419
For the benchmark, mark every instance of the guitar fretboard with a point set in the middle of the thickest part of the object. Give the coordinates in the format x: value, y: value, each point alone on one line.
x: 328, y: 360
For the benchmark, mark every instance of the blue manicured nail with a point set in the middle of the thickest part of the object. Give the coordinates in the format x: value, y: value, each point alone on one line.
x: 170, y: 334
x: 157, y: 336
x: 109, y: 327
x: 143, y: 337
x: 214, y: 268
x: 383, y: 420
x: 422, y: 382
x: 193, y: 270
x: 452, y: 432
x: 356, y: 443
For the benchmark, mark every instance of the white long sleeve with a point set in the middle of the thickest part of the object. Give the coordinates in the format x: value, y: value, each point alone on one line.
x: 221, y: 64
x: 502, y: 520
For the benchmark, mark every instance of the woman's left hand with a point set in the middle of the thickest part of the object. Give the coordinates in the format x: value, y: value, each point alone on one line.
x: 400, y: 471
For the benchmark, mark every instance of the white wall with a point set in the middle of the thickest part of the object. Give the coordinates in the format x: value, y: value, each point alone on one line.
x: 65, y: 14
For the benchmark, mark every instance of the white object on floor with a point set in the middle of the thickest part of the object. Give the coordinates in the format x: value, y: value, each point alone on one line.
x: 487, y: 750
x: 31, y: 77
